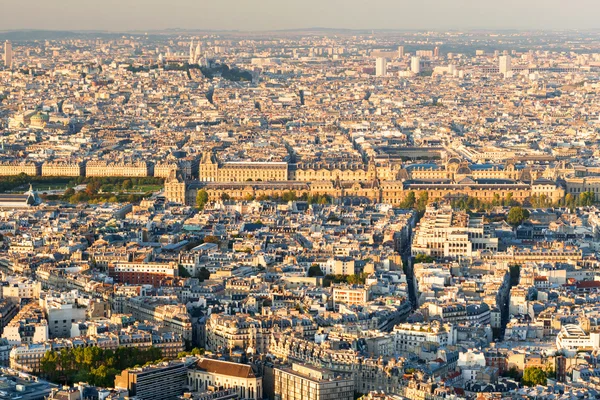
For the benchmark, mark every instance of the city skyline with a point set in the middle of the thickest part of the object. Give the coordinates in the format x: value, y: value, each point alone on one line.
x: 272, y: 15
x: 292, y: 213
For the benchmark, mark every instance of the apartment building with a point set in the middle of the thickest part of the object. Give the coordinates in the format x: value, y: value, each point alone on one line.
x: 444, y: 232
x: 29, y: 326
x: 351, y: 294
x: 142, y: 273
x: 410, y: 337
x: 303, y: 382
x: 62, y: 311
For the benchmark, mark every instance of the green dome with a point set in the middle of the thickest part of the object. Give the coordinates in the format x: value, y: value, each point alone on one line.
x: 40, y: 117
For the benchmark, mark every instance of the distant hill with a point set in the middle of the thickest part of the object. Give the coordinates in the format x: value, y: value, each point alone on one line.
x: 26, y: 35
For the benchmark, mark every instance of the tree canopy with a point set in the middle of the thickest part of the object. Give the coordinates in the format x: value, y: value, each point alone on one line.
x: 201, y: 199
x: 93, y: 364
x: 315, y: 270
x: 424, y: 258
x: 517, y: 215
x: 533, y: 376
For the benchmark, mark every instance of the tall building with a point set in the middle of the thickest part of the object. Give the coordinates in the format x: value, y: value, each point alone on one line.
x: 400, y: 51
x: 436, y: 52
x: 380, y: 66
x: 302, y: 382
x: 415, y: 65
x: 155, y: 382
x: 504, y: 64
x: 192, y: 55
x: 8, y: 54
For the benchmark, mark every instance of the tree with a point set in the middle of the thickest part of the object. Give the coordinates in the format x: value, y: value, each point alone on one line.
x: 183, y: 273
x: 517, y: 215
x: 533, y: 376
x: 422, y: 201
x: 315, y: 270
x: 126, y: 185
x: 570, y: 201
x: 409, y: 200
x: 496, y: 201
x: 203, y: 274
x: 225, y: 196
x: 509, y: 199
x: 513, y: 373
x: 201, y: 199
x: 289, y: 195
x: 587, y: 199
x: 196, y: 351
x: 424, y: 258
x: 92, y: 188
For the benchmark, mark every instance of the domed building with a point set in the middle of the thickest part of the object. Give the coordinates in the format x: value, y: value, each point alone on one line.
x: 39, y: 120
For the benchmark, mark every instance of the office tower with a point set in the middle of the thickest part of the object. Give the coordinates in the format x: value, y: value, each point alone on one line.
x: 415, y: 65
x: 400, y: 51
x: 436, y: 52
x: 8, y: 54
x: 380, y: 66
x: 504, y: 64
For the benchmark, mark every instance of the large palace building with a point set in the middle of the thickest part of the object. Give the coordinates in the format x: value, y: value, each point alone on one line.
x: 374, y: 181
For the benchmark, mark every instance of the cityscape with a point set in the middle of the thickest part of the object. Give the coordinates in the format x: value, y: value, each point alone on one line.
x: 300, y: 214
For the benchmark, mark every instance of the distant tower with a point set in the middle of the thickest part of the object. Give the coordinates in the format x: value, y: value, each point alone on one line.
x: 8, y: 54
x: 505, y: 65
x: 197, y: 55
x: 400, y: 51
x: 380, y: 66
x: 191, y: 57
x: 436, y: 52
x: 415, y: 65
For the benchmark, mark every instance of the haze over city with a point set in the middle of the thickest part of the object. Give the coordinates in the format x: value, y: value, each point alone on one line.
x: 128, y: 15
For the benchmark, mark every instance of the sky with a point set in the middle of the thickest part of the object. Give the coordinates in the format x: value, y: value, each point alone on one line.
x: 257, y: 15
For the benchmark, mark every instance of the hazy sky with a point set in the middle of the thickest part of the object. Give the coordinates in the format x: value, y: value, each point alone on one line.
x: 123, y: 15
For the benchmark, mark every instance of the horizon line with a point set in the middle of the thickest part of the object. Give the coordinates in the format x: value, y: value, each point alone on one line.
x: 315, y: 28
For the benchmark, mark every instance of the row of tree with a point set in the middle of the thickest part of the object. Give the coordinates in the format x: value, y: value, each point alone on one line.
x: 466, y: 203
x: 93, y: 364
x: 203, y: 274
x: 356, y: 279
x: 8, y: 183
x: 71, y: 196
